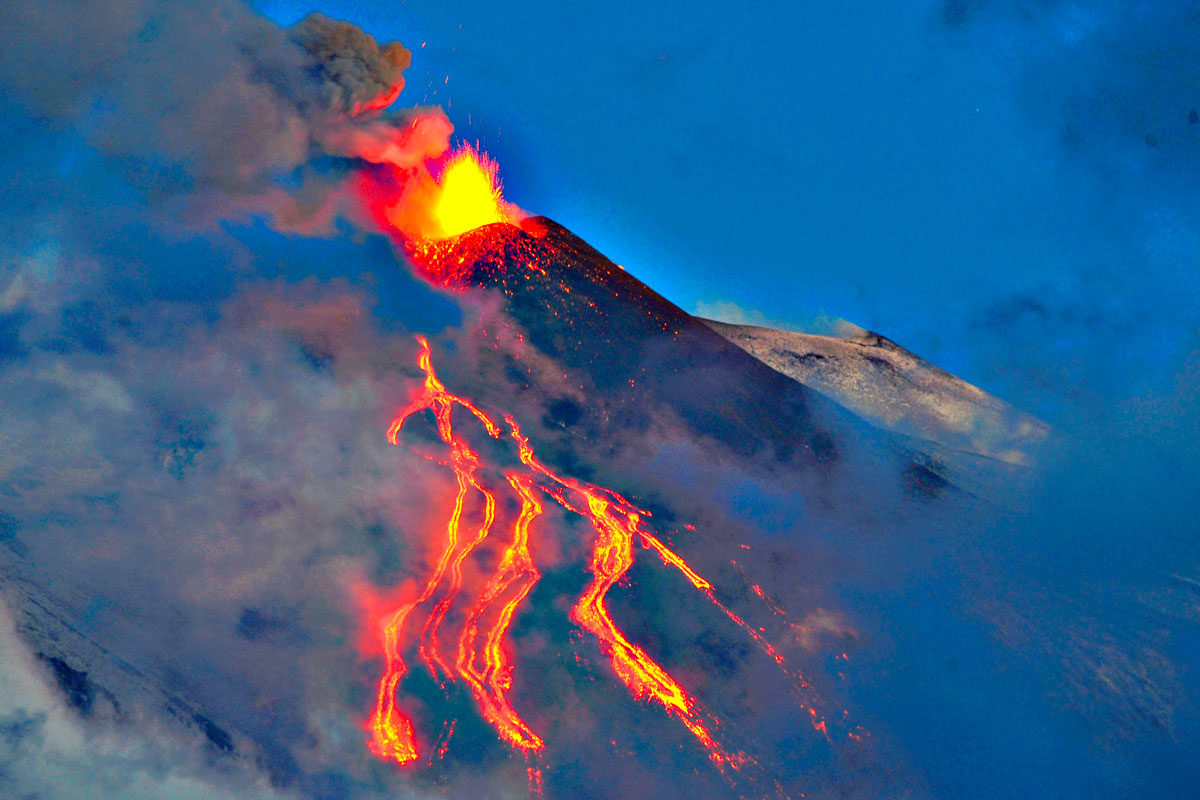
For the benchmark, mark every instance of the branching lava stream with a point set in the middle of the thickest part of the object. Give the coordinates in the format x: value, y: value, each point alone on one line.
x: 480, y: 659
x: 428, y: 217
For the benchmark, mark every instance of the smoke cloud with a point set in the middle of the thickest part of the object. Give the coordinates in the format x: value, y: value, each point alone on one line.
x: 47, y: 751
x: 208, y: 108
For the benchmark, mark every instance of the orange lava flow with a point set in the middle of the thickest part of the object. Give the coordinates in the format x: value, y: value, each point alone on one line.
x: 491, y: 684
x: 480, y: 657
x: 392, y: 732
x: 617, y: 524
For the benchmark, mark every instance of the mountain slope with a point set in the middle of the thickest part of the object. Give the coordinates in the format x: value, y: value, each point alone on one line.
x: 624, y: 387
x: 890, y: 386
x: 643, y: 354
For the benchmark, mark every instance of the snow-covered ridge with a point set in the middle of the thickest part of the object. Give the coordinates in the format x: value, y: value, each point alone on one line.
x: 895, y: 389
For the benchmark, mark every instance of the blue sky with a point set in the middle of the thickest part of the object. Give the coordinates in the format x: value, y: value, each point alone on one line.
x: 899, y: 165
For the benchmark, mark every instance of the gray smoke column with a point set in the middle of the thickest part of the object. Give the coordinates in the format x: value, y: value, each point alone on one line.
x: 359, y: 73
x: 214, y: 110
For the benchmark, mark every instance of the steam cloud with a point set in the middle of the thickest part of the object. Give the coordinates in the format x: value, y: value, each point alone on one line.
x: 47, y: 751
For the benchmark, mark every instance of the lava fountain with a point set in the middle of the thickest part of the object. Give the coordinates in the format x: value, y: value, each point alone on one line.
x: 469, y: 195
x: 461, y: 192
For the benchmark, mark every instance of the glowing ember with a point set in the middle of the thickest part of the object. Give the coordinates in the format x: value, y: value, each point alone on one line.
x: 480, y: 658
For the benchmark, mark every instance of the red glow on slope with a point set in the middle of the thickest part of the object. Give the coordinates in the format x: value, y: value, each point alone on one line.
x: 480, y: 657
x: 392, y: 732
x: 617, y: 524
x: 491, y: 684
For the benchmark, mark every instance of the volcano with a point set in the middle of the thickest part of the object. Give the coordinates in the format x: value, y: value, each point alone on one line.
x: 607, y: 364
x: 618, y: 339
x: 328, y: 471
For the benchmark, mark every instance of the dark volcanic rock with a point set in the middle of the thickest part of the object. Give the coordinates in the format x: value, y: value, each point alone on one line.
x: 637, y: 349
x: 74, y: 683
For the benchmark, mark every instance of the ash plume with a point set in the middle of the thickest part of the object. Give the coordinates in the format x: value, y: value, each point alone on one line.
x: 357, y: 71
x: 209, y: 107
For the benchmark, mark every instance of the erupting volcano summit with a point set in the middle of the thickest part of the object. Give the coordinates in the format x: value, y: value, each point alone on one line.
x: 611, y: 334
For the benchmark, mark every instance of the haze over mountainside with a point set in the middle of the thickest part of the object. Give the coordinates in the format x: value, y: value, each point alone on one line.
x: 620, y: 383
x: 612, y: 383
x: 616, y: 383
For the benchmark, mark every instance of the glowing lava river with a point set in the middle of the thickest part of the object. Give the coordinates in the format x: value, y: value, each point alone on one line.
x: 480, y: 659
x: 479, y: 656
